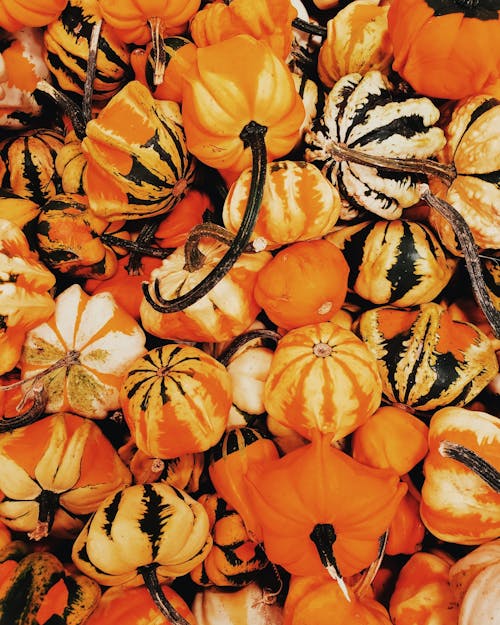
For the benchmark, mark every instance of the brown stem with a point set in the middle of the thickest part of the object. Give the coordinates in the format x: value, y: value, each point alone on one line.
x: 88, y: 90
x: 469, y: 249
x: 323, y: 536
x: 152, y: 583
x: 473, y: 461
x: 242, y: 339
x: 71, y: 358
x: 68, y: 106
x: 365, y: 582
x: 48, y: 502
x: 309, y: 27
x: 39, y: 395
x: 159, y: 55
x: 424, y: 166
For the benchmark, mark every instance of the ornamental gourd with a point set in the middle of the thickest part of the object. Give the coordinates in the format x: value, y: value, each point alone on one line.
x: 25, y: 293
x: 446, y: 49
x: 54, y: 473
x: 82, y: 353
x: 14, y: 14
x: 322, y: 378
x: 175, y: 400
x: 425, y: 358
x: 396, y: 262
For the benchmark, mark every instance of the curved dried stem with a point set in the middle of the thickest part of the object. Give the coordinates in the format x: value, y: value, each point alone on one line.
x: 88, y: 89
x: 363, y: 585
x: 39, y: 396
x: 323, y: 536
x: 309, y: 27
x: 67, y: 105
x: 241, y: 340
x: 473, y: 461
x: 152, y: 583
x: 159, y: 56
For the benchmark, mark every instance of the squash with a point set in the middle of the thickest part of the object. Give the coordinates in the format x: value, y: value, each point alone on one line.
x: 14, y: 14
x: 480, y: 602
x: 322, y: 378
x: 169, y: 532
x: 457, y: 504
x: 25, y: 293
x: 82, y: 353
x: 139, y: 167
x: 397, y: 262
x: 298, y: 204
x: 27, y: 163
x: 20, y: 211
x: 71, y: 165
x: 425, y: 358
x: 357, y: 41
x: 40, y: 591
x: 55, y: 472
x: 234, y: 559
x: 21, y: 67
x: 406, y: 532
x: 445, y: 50
x: 365, y: 114
x: 321, y: 512
x: 465, y: 570
x: 304, y: 283
x: 175, y: 400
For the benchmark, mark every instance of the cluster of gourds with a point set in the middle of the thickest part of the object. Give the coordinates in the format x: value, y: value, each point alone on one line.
x: 249, y: 312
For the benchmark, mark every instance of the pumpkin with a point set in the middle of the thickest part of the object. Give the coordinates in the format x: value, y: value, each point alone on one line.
x: 169, y: 532
x: 391, y: 437
x: 304, y: 283
x: 250, y: 604
x: 180, y: 54
x: 406, y: 532
x: 322, y: 378
x: 357, y: 41
x: 175, y: 400
x: 457, y: 504
x: 480, y: 602
x: 27, y: 163
x: 298, y: 204
x: 68, y: 235
x: 317, y: 600
x: 40, y: 590
x: 234, y: 559
x: 474, y: 192
x: 269, y: 21
x: 465, y: 570
x: 14, y: 14
x: 67, y: 41
x: 137, y: 162
x: 125, y: 605
x: 422, y: 593
x: 21, y: 67
x: 82, y: 353
x: 25, y: 293
x: 445, y: 50
x: 18, y: 210
x: 396, y: 262
x: 363, y: 113
x: 425, y: 358
x: 225, y: 311
x: 71, y: 165
x: 55, y: 472
x: 230, y: 459
x: 321, y: 512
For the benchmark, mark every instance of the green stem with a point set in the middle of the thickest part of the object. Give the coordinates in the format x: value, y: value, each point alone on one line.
x: 308, y: 27
x: 469, y: 249
x: 252, y: 135
x: 470, y: 459
x: 152, y: 583
x: 35, y: 412
x: 88, y: 90
x: 323, y: 536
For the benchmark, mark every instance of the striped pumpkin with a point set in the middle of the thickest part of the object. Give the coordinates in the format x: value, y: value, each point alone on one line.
x: 175, y: 400
x: 67, y: 48
x: 322, y: 378
x: 165, y: 526
x: 71, y: 165
x: 27, y: 164
x: 395, y: 262
x: 363, y: 112
x: 234, y: 559
x: 138, y: 163
x: 426, y: 359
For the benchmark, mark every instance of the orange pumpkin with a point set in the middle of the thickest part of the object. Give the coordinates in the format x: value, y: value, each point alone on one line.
x: 446, y: 49
x: 322, y: 378
x: 304, y: 283
x: 14, y: 14
x: 406, y: 532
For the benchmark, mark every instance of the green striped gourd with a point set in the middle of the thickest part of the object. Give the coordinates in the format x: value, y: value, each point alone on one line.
x: 396, y: 262
x: 365, y: 113
x: 426, y: 359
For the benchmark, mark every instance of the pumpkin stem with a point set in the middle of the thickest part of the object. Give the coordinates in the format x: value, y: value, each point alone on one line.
x: 470, y: 459
x: 47, y: 506
x: 193, y: 257
x: 243, y: 339
x: 88, y: 90
x: 160, y: 58
x: 152, y: 583
x: 369, y: 574
x: 71, y: 358
x: 309, y: 27
x: 38, y: 394
x: 322, y: 350
x: 252, y: 135
x: 323, y: 536
x: 135, y: 246
x: 424, y: 166
x: 68, y: 106
x: 469, y: 249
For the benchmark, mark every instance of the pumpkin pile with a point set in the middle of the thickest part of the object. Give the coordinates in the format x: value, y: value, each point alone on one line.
x: 249, y: 312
